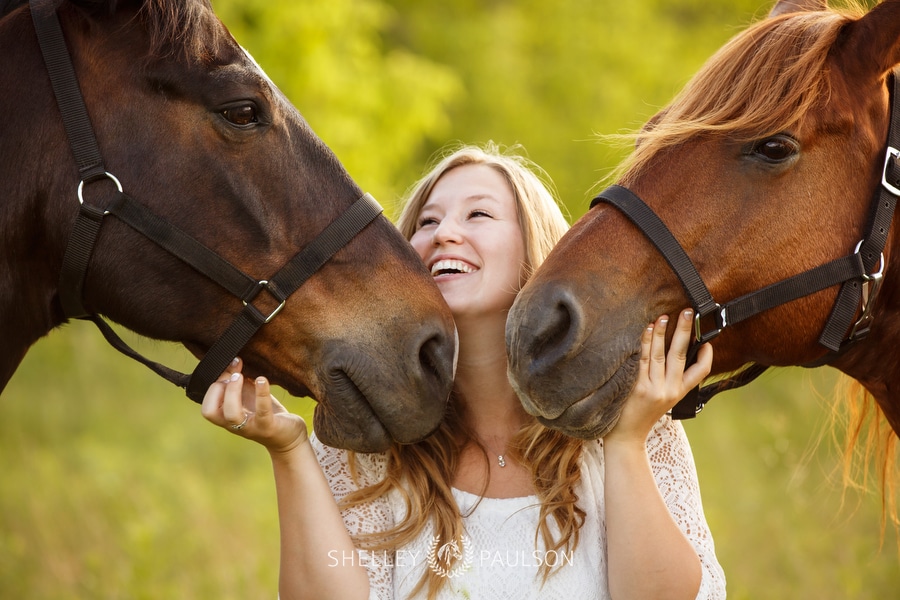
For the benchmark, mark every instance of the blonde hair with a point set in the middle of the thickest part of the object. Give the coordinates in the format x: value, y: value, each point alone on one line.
x: 540, y: 218
x: 422, y: 473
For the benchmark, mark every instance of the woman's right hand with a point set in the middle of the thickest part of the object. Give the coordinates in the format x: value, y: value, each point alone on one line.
x: 248, y: 409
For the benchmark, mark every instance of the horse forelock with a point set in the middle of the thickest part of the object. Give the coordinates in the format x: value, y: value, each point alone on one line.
x: 186, y: 27
x: 765, y: 80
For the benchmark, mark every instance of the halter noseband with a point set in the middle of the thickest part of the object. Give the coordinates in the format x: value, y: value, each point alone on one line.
x: 859, y: 273
x: 87, y: 228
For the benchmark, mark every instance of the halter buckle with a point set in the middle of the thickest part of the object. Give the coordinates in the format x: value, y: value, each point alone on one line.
x: 891, y: 153
x: 721, y: 322
x: 870, y: 286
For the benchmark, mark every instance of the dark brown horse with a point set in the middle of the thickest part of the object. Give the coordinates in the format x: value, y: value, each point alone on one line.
x: 762, y: 168
x: 196, y: 132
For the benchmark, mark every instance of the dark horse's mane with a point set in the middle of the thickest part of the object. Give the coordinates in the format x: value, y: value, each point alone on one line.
x: 185, y: 27
x: 188, y: 27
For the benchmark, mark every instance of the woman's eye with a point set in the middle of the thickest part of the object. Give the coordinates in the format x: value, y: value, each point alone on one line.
x: 424, y: 222
x: 479, y: 213
x: 776, y: 149
x: 241, y: 115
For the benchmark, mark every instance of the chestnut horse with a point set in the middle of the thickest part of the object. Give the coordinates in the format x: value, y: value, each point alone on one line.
x: 190, y: 127
x: 763, y: 169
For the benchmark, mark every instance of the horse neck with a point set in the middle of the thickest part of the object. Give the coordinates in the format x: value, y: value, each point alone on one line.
x: 34, y: 220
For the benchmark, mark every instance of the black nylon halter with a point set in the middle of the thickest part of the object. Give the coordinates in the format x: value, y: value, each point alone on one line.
x: 855, y: 272
x: 89, y: 220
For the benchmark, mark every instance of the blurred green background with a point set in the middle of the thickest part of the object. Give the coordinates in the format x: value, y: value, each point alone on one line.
x: 113, y: 486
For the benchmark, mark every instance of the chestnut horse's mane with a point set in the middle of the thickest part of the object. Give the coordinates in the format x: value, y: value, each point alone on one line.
x: 764, y: 81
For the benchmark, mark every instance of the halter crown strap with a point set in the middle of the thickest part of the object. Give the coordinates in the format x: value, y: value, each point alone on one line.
x: 78, y: 128
x: 66, y: 89
x: 873, y: 244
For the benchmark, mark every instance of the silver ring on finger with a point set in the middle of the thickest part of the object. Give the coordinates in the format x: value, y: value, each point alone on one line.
x: 242, y: 423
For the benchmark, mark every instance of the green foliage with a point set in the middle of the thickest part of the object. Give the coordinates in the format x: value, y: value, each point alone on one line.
x: 115, y: 487
x: 371, y: 104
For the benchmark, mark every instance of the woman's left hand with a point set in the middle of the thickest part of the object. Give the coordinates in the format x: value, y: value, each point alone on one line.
x: 662, y: 378
x: 249, y: 410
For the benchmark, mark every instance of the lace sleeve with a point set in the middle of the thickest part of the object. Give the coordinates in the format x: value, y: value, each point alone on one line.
x: 367, y: 518
x: 676, y: 476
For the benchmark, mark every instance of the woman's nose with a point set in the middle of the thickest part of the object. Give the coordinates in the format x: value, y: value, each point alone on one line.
x: 447, y: 231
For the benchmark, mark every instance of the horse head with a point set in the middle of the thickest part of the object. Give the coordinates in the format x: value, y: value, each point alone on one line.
x: 762, y: 168
x: 194, y: 129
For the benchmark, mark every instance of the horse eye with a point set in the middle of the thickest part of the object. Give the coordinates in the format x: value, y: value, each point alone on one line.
x: 241, y: 115
x: 776, y: 149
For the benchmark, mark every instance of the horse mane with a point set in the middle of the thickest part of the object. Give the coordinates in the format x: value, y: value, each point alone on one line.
x: 185, y: 27
x: 188, y: 28
x: 868, y: 440
x: 764, y: 81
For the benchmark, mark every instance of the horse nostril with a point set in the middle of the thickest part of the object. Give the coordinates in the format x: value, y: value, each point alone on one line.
x: 437, y: 355
x: 556, y: 330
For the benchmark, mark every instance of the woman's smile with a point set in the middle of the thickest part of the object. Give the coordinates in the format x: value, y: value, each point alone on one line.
x: 469, y: 237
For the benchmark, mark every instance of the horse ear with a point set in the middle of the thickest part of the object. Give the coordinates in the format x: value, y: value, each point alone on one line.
x: 873, y: 42
x: 783, y: 7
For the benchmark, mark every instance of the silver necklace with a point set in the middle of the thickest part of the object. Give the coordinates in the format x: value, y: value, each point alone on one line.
x: 500, y: 460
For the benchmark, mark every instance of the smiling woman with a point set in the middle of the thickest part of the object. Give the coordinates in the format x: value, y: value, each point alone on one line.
x: 412, y: 522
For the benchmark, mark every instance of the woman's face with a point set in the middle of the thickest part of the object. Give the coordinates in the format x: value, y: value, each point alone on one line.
x: 468, y: 235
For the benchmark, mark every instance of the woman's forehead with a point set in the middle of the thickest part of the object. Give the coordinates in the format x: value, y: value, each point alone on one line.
x: 471, y: 184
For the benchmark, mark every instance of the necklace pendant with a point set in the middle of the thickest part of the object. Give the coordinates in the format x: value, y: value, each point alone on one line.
x: 500, y: 460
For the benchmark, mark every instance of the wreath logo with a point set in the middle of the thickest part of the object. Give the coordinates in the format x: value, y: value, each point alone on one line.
x: 442, y: 556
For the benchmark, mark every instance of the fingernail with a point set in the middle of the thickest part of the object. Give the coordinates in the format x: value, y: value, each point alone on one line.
x: 235, y: 376
x: 663, y: 320
x: 235, y: 361
x: 688, y: 314
x: 260, y: 380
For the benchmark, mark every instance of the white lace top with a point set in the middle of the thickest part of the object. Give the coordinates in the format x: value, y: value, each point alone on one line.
x: 497, y: 557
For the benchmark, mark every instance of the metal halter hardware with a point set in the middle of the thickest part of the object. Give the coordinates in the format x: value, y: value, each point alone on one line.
x: 856, y: 273
x: 87, y: 225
